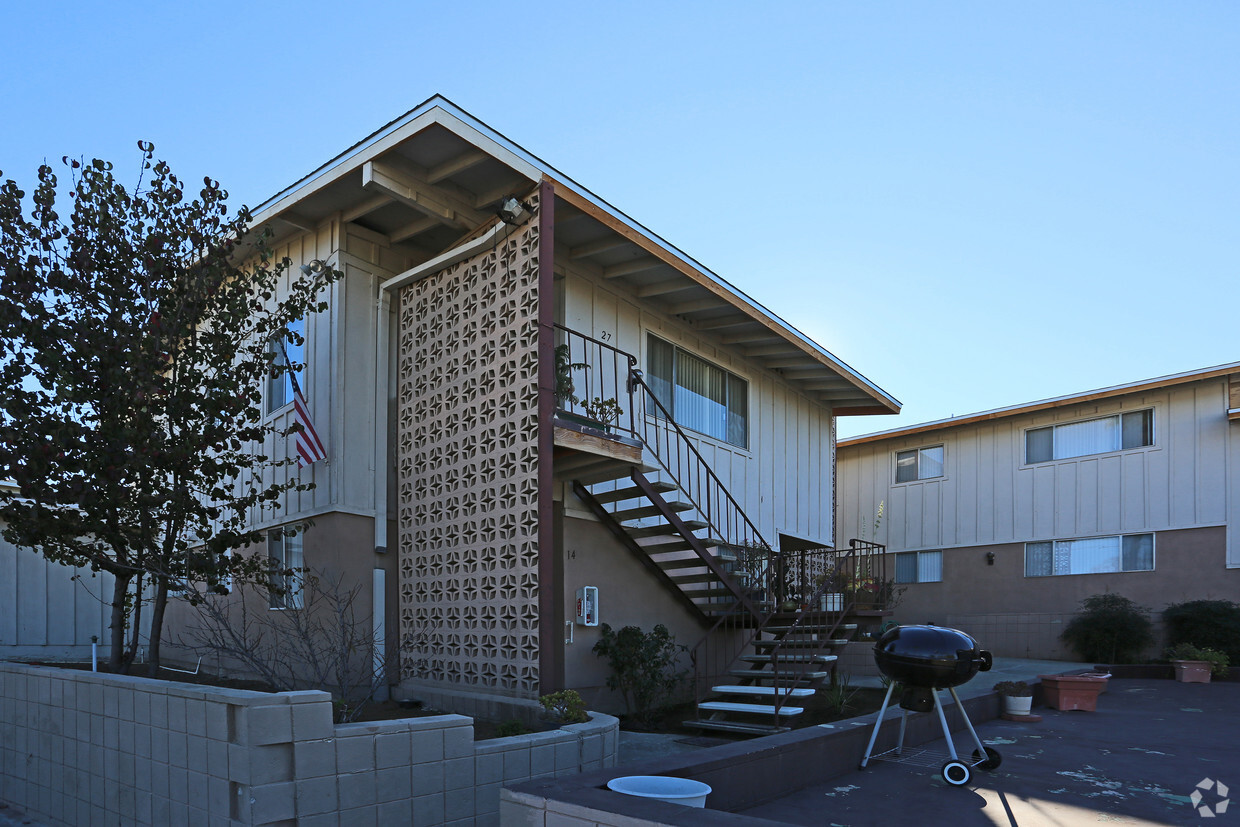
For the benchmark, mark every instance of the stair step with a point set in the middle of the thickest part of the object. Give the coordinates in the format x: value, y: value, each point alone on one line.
x: 811, y: 627
x: 662, y: 529
x: 752, y: 709
x: 784, y: 674
x: 697, y: 577
x: 736, y: 726
x: 790, y: 658
x: 679, y: 545
x: 647, y: 511
x: 797, y: 643
x: 630, y: 492
x: 764, y: 691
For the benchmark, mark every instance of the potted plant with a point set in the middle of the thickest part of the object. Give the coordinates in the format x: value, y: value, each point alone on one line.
x: 1017, y: 697
x: 1194, y: 665
x: 830, y: 588
x: 606, y: 412
x: 565, y: 390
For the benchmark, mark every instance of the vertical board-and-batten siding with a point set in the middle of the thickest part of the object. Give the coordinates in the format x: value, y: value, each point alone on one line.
x: 340, y: 377
x: 783, y: 479
x: 989, y: 495
x: 42, y: 609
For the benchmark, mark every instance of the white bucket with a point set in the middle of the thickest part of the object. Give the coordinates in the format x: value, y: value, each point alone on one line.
x: 684, y: 791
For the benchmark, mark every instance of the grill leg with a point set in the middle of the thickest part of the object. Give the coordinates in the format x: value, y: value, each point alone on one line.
x: 878, y: 723
x: 947, y: 733
x: 980, y: 747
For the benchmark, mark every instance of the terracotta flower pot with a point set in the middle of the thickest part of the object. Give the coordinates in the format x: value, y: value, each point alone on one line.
x: 1192, y: 671
x: 1069, y: 692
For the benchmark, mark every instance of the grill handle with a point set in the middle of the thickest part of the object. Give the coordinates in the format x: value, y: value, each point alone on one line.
x: 985, y: 661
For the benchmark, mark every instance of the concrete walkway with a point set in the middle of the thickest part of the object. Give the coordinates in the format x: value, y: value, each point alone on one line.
x: 1137, y: 761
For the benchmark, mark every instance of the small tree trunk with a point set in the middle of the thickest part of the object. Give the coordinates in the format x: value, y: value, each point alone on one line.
x: 120, y: 592
x: 157, y: 625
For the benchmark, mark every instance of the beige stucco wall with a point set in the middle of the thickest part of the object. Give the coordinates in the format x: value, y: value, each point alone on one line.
x: 1018, y: 616
x: 335, y: 546
x: 629, y: 595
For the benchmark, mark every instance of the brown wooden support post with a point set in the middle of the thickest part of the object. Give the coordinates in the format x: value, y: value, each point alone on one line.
x: 550, y: 602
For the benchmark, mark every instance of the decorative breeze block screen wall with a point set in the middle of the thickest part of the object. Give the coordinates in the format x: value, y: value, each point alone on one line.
x: 468, y: 471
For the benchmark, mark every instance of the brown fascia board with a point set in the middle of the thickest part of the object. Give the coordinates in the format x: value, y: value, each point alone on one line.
x: 726, y: 293
x: 439, y: 110
x: 1046, y: 404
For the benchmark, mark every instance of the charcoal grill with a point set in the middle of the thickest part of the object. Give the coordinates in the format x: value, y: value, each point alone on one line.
x: 925, y: 660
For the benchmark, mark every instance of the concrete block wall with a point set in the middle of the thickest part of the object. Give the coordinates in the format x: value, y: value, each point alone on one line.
x: 79, y: 747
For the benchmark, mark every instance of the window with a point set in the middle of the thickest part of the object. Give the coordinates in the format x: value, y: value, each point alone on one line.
x: 919, y: 464
x: 287, y: 568
x: 1090, y: 436
x: 701, y: 396
x: 919, y: 567
x: 280, y: 388
x: 1093, y: 555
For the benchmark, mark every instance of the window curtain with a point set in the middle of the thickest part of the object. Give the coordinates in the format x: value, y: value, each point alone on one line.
x: 1094, y: 436
x: 906, y: 567
x: 660, y: 358
x: 701, y: 396
x: 930, y: 463
x: 930, y: 567
x: 1139, y: 552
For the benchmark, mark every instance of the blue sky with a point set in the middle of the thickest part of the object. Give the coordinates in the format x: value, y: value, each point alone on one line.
x: 973, y: 204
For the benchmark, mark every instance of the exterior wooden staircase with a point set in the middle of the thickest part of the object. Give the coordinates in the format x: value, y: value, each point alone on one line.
x: 647, y: 483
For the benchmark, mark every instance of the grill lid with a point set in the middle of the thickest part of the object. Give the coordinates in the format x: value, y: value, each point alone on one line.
x: 932, y: 657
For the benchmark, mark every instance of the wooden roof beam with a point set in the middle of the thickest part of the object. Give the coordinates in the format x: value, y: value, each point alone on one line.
x: 721, y: 322
x: 628, y: 268
x: 777, y: 349
x: 452, y: 166
x: 407, y: 186
x: 365, y: 208
x: 297, y: 220
x: 661, y: 288
x: 602, y: 245
x: 413, y: 228
x: 745, y: 336
x: 698, y: 305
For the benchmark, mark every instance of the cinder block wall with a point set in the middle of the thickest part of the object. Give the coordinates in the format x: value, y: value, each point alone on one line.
x: 83, y: 748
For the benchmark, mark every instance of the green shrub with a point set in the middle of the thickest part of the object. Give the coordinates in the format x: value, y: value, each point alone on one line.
x: 1109, y: 629
x: 565, y: 706
x: 1186, y: 651
x: 642, y: 668
x: 1214, y: 624
x: 507, y: 729
x: 1014, y: 689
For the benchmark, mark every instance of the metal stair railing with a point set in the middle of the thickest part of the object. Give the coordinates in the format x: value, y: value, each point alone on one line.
x: 810, y: 576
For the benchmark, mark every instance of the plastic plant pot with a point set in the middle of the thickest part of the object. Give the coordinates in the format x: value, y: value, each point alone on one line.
x: 667, y: 788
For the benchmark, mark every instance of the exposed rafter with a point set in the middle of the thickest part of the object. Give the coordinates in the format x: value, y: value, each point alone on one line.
x: 673, y: 285
x: 452, y: 166
x: 756, y: 335
x: 296, y: 219
x: 697, y: 306
x: 776, y: 349
x: 365, y: 208
x: 628, y: 268
x: 413, y: 228
x: 593, y: 248
x: 407, y: 184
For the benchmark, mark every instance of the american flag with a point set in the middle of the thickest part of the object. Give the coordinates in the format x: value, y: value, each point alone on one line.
x: 309, y: 447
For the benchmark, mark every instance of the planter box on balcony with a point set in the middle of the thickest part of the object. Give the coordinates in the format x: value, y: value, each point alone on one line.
x: 1069, y: 692
x: 1192, y: 671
